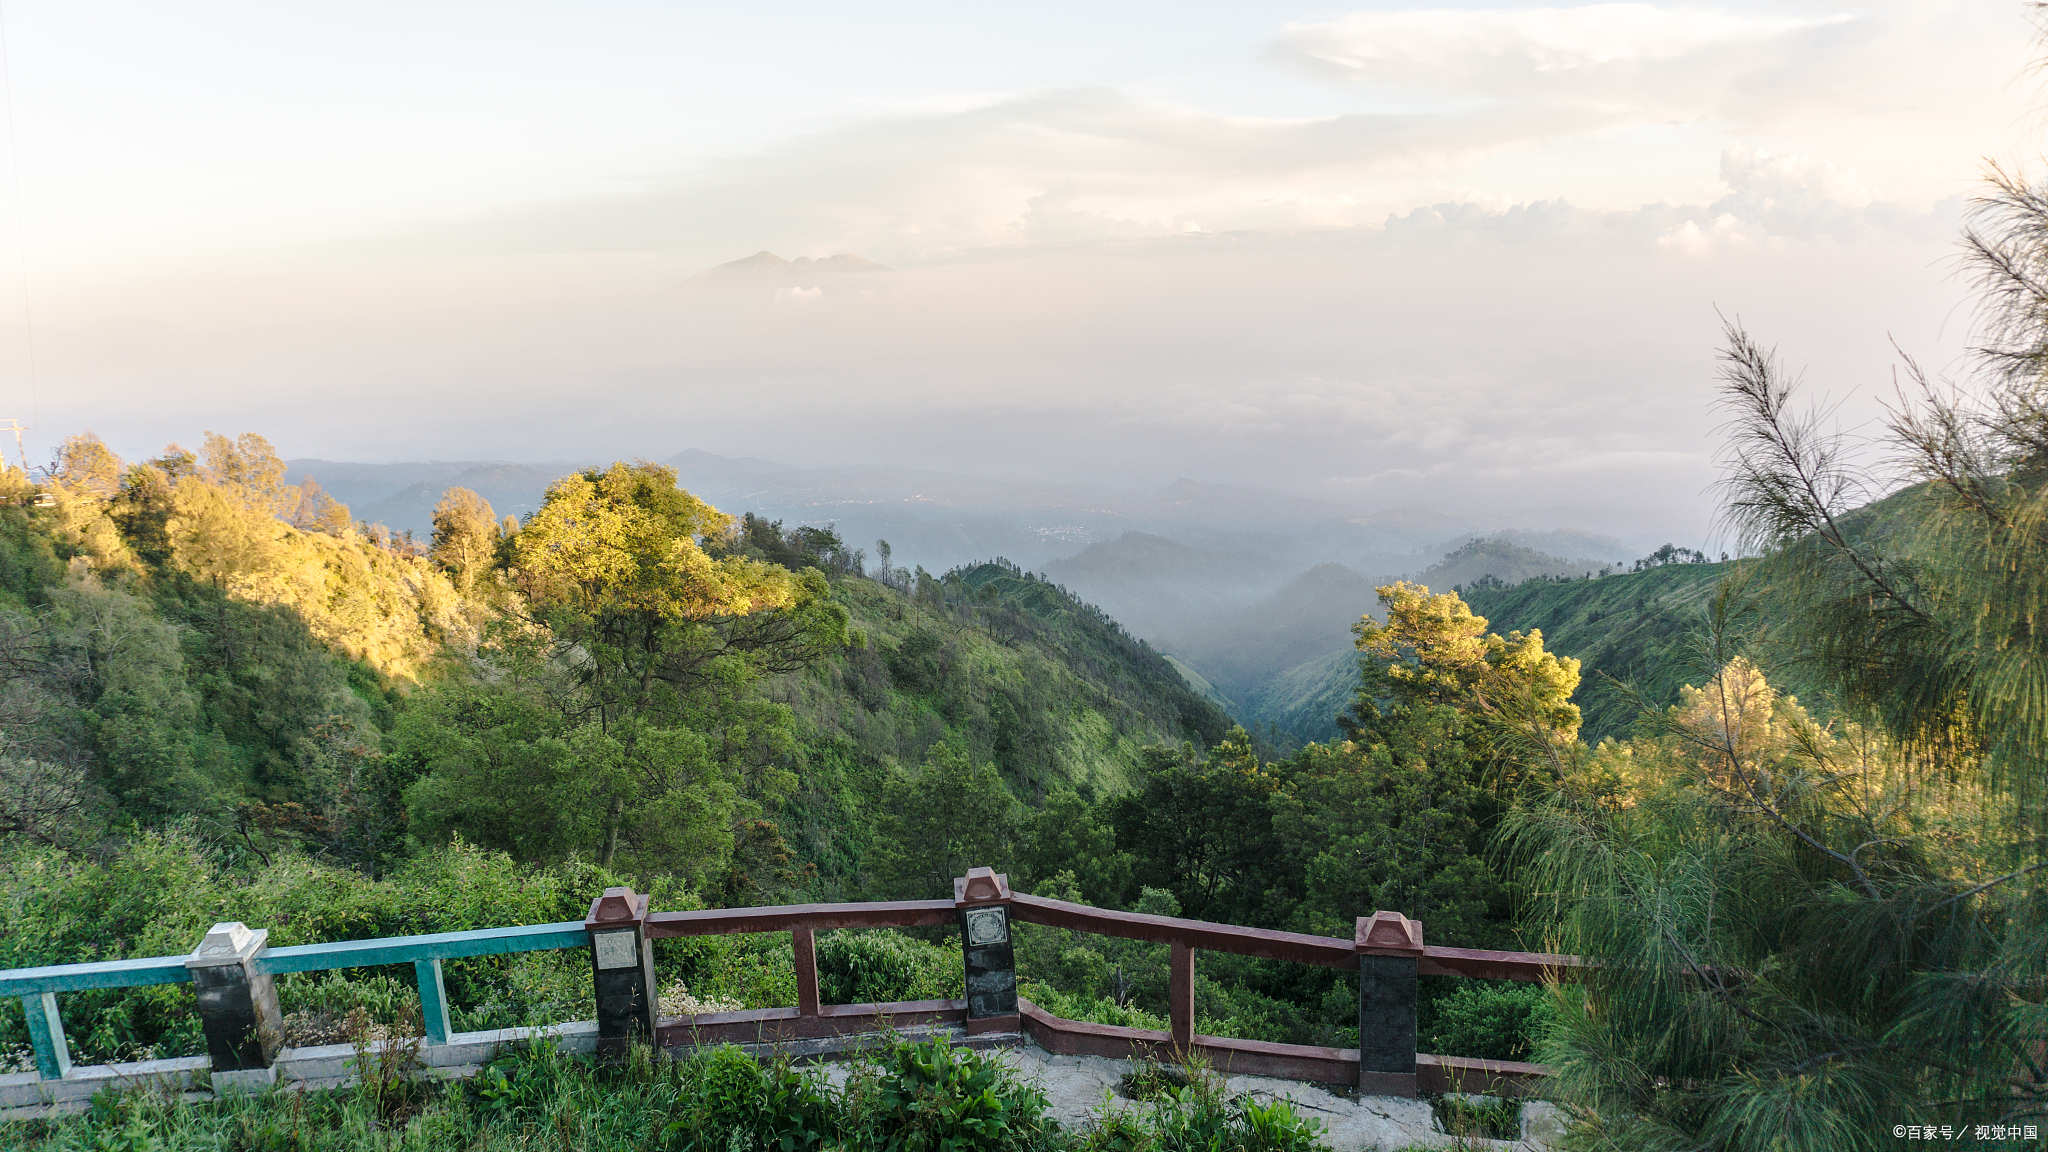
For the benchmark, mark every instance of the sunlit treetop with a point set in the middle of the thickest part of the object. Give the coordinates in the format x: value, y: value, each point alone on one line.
x: 625, y: 540
x: 1433, y: 650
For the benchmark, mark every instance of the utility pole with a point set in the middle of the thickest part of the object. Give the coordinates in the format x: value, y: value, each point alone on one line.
x: 15, y: 427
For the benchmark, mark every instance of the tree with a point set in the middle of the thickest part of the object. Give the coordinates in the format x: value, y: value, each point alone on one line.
x: 1807, y: 932
x: 215, y: 534
x: 146, y: 503
x: 248, y: 468
x: 465, y: 535
x: 1402, y: 823
x: 316, y: 511
x: 1794, y: 944
x: 646, y: 621
x: 1432, y: 651
x: 87, y: 467
x: 620, y: 717
x: 936, y: 823
x: 1201, y: 828
x: 1067, y: 835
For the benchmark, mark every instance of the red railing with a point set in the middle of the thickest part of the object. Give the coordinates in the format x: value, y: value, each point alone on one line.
x: 1385, y: 934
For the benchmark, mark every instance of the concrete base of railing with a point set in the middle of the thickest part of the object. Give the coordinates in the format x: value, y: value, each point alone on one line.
x: 836, y: 1031
x: 772, y: 1025
x: 28, y: 1090
x: 332, y: 1065
x: 26, y: 1095
x: 1284, y: 1061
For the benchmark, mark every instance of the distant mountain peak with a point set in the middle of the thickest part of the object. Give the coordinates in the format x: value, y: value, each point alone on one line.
x: 766, y: 268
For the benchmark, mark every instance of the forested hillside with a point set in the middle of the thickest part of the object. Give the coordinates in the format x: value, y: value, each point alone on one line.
x: 991, y: 662
x: 205, y: 643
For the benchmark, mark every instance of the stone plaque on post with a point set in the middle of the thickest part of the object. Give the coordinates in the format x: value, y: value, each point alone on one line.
x: 1389, y: 947
x: 983, y: 898
x: 622, y: 970
x: 237, y: 1006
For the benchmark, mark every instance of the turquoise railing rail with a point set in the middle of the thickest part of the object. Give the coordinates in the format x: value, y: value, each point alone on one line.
x: 37, y: 988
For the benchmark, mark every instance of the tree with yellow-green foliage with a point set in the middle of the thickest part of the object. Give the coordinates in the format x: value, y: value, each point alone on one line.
x: 618, y: 718
x: 87, y: 475
x: 249, y: 467
x: 1433, y: 652
x: 228, y: 519
x: 465, y: 536
x: 86, y: 466
x: 216, y: 535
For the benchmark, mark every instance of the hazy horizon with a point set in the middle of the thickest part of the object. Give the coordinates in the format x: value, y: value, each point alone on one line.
x: 1376, y: 254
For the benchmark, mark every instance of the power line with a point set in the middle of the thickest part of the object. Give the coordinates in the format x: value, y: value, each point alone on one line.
x: 28, y: 328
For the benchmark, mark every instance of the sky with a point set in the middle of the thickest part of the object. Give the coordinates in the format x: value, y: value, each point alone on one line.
x: 1457, y: 255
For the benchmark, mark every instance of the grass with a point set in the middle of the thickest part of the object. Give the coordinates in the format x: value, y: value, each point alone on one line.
x: 928, y: 1097
x: 1486, y: 1116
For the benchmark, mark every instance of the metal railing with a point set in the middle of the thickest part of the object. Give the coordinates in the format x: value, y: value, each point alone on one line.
x: 234, y: 970
x: 38, y: 988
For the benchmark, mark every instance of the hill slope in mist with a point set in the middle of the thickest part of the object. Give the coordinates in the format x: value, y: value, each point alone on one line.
x: 1284, y: 658
x: 940, y: 520
x: 1010, y: 669
x: 1638, y: 628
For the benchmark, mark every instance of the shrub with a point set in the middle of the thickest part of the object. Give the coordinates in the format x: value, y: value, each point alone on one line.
x: 330, y: 1008
x: 1488, y: 1117
x: 932, y: 1097
x: 728, y: 1100
x: 1486, y: 1019
x: 1191, y: 1111
x: 164, y: 889
x: 877, y: 967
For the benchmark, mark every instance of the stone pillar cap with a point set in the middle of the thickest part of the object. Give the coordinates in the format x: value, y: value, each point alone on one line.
x: 1388, y: 934
x: 229, y: 942
x: 981, y: 886
x: 618, y: 906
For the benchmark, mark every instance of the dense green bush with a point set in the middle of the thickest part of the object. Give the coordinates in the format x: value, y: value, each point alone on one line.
x: 877, y: 967
x: 1484, y: 1019
x: 932, y: 1097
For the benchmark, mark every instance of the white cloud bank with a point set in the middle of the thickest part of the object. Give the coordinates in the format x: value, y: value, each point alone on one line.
x: 1482, y: 267
x: 1639, y: 58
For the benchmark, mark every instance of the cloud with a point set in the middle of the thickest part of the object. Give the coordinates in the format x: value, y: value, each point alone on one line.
x: 1653, y: 61
x: 1722, y: 232
x: 1772, y: 201
x: 1053, y: 167
x: 1399, y: 301
x: 1055, y: 217
x: 1064, y: 168
x: 1804, y: 180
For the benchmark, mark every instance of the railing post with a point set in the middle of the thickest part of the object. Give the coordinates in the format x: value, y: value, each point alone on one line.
x: 433, y: 1000
x: 46, y: 1035
x: 1389, y: 947
x: 1180, y: 997
x: 983, y: 899
x: 804, y: 944
x: 622, y: 969
x: 237, y: 1006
